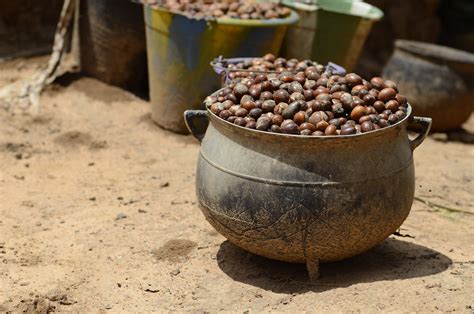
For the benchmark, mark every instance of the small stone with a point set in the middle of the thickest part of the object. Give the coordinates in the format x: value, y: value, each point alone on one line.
x: 120, y: 216
x: 152, y: 290
x: 175, y: 272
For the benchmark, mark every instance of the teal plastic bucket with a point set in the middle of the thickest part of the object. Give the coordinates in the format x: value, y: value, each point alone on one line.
x: 330, y: 30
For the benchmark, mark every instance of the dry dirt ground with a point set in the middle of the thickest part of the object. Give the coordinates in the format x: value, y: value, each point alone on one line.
x: 98, y: 213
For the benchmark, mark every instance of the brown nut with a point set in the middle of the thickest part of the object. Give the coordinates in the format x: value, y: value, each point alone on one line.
x: 289, y: 127
x: 393, y: 118
x: 292, y: 109
x: 383, y: 123
x: 251, y: 125
x: 277, y: 119
x: 367, y: 126
x: 296, y: 96
x: 268, y: 105
x: 248, y: 105
x: 364, y: 118
x: 280, y: 108
x: 231, y: 119
x: 349, y: 129
x: 353, y: 79
x: 402, y: 100
x: 308, y: 126
x: 263, y: 123
x: 241, y: 112
x: 392, y: 105
x: 255, y: 91
x: 387, y: 94
x: 358, y: 112
x: 275, y: 129
x: 240, y: 121
x: 255, y: 113
x: 379, y: 106
x: 240, y: 90
x: 224, y: 114
x: 322, y: 125
x: 299, y: 117
x: 281, y: 95
x: 359, y: 90
x: 390, y: 84
x: 317, y: 117
x: 377, y: 82
x: 331, y: 130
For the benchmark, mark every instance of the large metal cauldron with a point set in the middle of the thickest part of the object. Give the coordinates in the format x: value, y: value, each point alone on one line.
x: 305, y: 199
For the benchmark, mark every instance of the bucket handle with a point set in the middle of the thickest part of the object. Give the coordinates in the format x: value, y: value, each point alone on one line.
x: 425, y: 126
x: 189, y: 117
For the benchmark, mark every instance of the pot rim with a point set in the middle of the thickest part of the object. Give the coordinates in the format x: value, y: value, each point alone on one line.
x: 435, y: 51
x: 291, y: 19
x: 213, y: 117
x: 356, y: 8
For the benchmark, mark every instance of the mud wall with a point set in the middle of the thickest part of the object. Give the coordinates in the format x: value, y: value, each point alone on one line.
x: 27, y: 26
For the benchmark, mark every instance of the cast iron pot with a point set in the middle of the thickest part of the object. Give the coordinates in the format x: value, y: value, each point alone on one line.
x: 305, y: 199
x: 439, y: 81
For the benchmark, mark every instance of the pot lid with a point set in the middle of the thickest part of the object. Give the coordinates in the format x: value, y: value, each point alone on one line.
x: 435, y: 51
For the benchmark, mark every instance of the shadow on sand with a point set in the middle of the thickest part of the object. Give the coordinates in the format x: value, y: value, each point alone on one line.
x: 393, y: 259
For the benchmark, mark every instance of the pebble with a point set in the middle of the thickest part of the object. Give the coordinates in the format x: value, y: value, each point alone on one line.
x: 120, y: 216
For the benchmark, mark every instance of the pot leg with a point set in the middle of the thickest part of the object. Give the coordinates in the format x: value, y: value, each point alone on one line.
x: 312, y: 265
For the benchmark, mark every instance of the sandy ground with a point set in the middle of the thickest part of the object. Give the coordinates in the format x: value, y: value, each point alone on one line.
x: 98, y: 213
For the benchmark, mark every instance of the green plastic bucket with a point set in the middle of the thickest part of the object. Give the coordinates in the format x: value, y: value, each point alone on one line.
x: 180, y: 50
x: 330, y: 30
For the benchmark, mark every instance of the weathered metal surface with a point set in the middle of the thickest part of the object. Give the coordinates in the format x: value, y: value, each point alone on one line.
x: 331, y: 31
x: 305, y: 199
x: 180, y: 50
x: 112, y: 43
x: 439, y: 81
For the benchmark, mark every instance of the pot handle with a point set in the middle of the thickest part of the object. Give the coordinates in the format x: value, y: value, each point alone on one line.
x: 189, y: 117
x: 425, y: 126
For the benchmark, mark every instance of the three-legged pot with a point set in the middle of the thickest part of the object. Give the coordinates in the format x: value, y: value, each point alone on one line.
x: 305, y: 199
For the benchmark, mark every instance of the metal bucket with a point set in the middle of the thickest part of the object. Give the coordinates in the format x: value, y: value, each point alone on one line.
x: 305, y: 199
x: 180, y: 50
x: 112, y: 43
x: 330, y: 30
